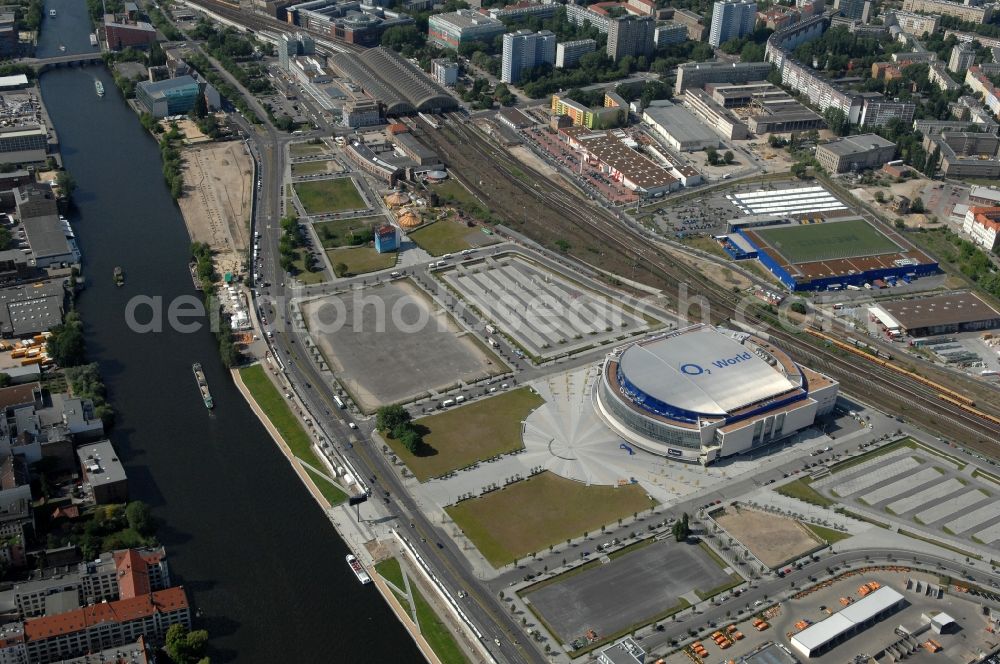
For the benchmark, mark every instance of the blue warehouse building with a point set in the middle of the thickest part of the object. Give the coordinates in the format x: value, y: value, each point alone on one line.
x: 386, y: 239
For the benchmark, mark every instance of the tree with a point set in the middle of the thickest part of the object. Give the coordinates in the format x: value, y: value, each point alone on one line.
x: 5, y: 380
x: 681, y: 529
x: 879, y: 197
x: 140, y: 517
x: 837, y: 120
x: 66, y: 345
x: 917, y: 206
x: 66, y: 184
x: 340, y: 269
x: 200, y: 109
x: 183, y: 646
x: 799, y: 170
x: 728, y: 157
x: 799, y: 307
x: 389, y: 417
x: 713, y: 155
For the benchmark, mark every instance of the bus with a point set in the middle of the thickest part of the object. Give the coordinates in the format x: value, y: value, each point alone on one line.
x: 340, y: 402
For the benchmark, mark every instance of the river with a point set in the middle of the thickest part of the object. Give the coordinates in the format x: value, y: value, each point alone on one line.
x: 257, y: 555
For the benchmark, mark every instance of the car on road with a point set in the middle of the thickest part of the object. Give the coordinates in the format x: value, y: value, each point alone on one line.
x: 352, y: 425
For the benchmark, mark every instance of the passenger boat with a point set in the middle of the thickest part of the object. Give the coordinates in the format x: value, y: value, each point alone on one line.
x: 119, y: 276
x: 99, y: 87
x: 199, y: 376
x: 52, y: 13
x: 358, y: 569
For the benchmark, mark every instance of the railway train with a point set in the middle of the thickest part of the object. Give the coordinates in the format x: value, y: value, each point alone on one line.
x: 953, y: 397
x: 969, y: 409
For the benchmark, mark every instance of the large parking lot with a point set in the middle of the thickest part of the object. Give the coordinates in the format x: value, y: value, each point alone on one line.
x: 939, y: 494
x: 626, y: 591
x: 544, y: 313
x: 391, y: 345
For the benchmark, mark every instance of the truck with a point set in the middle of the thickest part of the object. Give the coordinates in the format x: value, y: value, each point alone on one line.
x: 447, y: 403
x: 490, y: 329
x: 493, y: 342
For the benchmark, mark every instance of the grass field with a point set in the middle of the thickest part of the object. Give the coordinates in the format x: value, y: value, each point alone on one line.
x: 304, y: 275
x: 802, y: 490
x: 452, y: 190
x: 827, y: 241
x: 305, y: 149
x: 454, y: 439
x: 338, y: 233
x: 829, y: 535
x: 431, y: 627
x: 322, y: 196
x: 358, y: 260
x: 443, y: 237
x: 276, y: 409
x: 312, y: 168
x: 542, y: 511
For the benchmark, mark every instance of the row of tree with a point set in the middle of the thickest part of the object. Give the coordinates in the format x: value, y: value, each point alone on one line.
x: 397, y: 423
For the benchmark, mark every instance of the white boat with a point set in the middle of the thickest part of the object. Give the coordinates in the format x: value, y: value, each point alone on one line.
x: 358, y: 569
x: 99, y: 87
x: 93, y: 39
x: 62, y: 47
x: 52, y: 13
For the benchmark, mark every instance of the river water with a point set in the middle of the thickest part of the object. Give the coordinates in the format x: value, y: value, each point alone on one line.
x: 257, y: 555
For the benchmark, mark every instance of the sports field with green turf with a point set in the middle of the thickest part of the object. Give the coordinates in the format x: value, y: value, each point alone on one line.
x: 831, y: 240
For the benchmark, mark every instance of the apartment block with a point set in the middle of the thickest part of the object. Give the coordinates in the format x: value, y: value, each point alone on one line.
x: 965, y: 12
x: 568, y: 54
x: 631, y: 35
x: 524, y: 50
x: 699, y: 74
x: 731, y: 19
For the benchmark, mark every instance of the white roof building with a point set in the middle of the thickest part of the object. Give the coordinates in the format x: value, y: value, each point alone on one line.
x: 824, y: 635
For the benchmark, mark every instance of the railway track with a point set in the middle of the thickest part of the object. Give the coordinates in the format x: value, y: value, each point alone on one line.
x: 893, y: 392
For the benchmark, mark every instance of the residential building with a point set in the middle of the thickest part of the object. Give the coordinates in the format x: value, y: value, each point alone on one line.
x: 453, y: 29
x: 916, y: 24
x: 568, y: 54
x: 670, y: 32
x: 877, y: 111
x: 969, y: 37
x: 966, y: 154
x: 962, y: 57
x: 524, y: 9
x: 613, y: 113
x: 631, y: 35
x: 524, y: 50
x: 855, y: 153
x: 984, y: 196
x: 939, y: 77
x: 966, y: 12
x: 982, y: 225
x: 445, y: 72
x: 732, y: 19
x: 580, y: 14
x: 698, y: 74
x: 695, y: 24
x: 103, y: 472
x: 982, y: 85
x: 100, y: 626
x: 859, y: 10
x: 173, y: 96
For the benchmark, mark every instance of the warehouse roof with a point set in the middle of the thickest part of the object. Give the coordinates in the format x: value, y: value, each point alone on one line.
x: 856, y: 144
x: 702, y: 370
x: 46, y: 236
x: 846, y: 619
x: 680, y: 123
x: 952, y: 308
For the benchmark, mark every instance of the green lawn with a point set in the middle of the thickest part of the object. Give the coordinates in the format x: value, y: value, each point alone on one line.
x: 831, y: 240
x: 443, y: 237
x: 346, y: 232
x: 330, y: 492
x: 706, y: 244
x: 304, y: 275
x: 359, y: 260
x: 322, y: 196
x: 452, y: 191
x: 828, y: 535
x: 275, y: 407
x: 544, y: 510
x: 306, y: 149
x: 431, y: 627
x: 480, y: 430
x: 802, y: 490
x: 314, y: 167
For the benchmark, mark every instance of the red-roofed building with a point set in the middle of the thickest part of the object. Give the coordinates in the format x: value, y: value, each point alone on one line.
x: 105, y: 625
x: 982, y: 225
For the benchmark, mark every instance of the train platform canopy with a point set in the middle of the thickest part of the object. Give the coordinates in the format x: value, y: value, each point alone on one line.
x: 818, y: 638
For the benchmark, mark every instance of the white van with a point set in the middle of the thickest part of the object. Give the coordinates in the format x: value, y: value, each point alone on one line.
x: 447, y: 402
x: 446, y: 256
x: 459, y: 399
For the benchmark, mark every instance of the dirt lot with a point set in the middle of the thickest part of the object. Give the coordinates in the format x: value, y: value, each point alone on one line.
x: 216, y: 204
x: 773, y: 539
